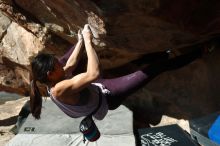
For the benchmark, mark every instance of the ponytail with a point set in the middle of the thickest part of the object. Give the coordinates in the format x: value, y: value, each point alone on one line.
x: 35, y: 100
x: 40, y: 65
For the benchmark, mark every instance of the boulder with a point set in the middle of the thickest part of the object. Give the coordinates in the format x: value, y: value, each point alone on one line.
x: 123, y: 31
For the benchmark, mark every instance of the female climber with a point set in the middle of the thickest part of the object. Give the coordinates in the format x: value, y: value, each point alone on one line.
x: 86, y: 93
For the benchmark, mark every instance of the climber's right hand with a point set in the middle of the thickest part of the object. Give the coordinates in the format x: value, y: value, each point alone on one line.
x: 87, y: 34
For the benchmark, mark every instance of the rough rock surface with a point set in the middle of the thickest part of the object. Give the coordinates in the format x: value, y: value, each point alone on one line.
x: 123, y: 31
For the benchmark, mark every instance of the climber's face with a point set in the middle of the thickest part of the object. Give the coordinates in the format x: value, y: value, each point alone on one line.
x: 57, y: 74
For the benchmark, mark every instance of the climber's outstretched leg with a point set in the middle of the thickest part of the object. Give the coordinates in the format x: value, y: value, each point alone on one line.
x: 152, y: 57
x: 122, y: 87
x: 155, y: 69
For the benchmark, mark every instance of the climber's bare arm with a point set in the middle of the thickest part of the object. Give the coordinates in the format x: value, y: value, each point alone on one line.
x: 82, y: 80
x: 75, y: 56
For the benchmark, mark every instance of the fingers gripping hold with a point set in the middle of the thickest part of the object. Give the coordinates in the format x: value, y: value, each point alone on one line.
x: 87, y: 35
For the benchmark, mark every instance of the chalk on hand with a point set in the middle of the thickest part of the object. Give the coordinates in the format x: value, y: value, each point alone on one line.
x: 86, y: 28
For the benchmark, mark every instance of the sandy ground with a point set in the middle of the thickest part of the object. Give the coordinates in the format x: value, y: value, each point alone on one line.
x: 8, y: 115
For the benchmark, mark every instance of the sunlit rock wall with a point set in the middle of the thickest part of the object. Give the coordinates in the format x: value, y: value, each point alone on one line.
x: 123, y: 30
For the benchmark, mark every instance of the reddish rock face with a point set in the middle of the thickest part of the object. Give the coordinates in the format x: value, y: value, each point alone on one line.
x: 123, y: 30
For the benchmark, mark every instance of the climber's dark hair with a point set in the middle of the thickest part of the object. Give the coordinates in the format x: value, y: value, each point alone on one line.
x: 40, y: 65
